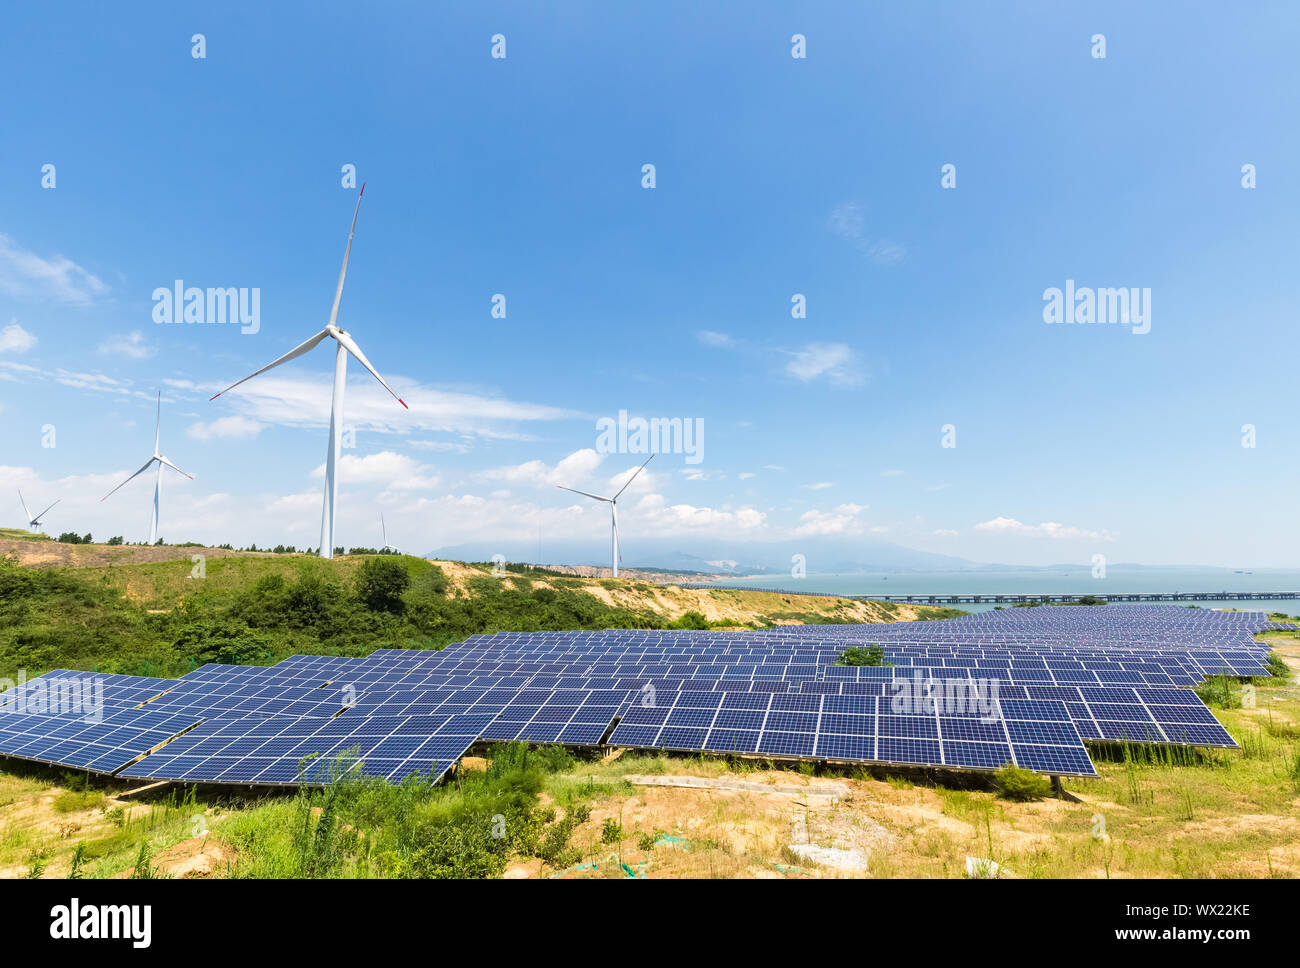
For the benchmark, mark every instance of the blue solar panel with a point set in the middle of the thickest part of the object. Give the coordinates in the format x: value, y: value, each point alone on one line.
x: 1103, y: 673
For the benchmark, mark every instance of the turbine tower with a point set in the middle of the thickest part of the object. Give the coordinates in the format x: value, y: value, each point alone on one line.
x: 33, y: 521
x: 157, y: 484
x: 346, y: 345
x: 613, y: 512
x: 384, y: 531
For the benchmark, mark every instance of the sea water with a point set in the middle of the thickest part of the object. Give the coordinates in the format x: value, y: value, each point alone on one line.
x: 1052, y: 582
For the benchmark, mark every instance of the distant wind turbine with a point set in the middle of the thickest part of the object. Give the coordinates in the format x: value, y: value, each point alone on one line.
x: 613, y: 511
x: 346, y: 345
x: 33, y: 521
x: 157, y: 484
x: 384, y: 531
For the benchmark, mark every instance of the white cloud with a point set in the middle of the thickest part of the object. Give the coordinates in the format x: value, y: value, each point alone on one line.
x: 819, y: 485
x: 15, y: 339
x: 304, y: 401
x: 439, y: 446
x: 96, y: 382
x: 719, y: 340
x: 945, y: 533
x: 225, y: 428
x: 645, y: 482
x: 891, y: 473
x: 25, y: 275
x: 572, y: 470
x: 835, y: 361
x: 1048, y: 529
x: 656, y: 516
x: 813, y: 523
x: 745, y: 475
x: 395, y: 472
x: 848, y: 221
x: 132, y: 344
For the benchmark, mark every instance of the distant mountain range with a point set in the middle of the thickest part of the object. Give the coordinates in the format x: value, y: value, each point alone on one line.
x: 824, y: 556
x: 821, y: 556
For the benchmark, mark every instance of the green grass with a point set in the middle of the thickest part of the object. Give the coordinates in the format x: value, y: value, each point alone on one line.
x: 74, y: 801
x: 469, y: 827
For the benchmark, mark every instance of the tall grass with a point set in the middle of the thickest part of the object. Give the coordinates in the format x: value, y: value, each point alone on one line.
x: 363, y: 827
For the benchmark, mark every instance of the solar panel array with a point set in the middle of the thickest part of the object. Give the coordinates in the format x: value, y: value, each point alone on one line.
x: 1022, y: 686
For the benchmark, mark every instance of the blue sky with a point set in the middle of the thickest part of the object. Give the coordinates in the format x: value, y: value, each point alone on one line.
x: 774, y: 176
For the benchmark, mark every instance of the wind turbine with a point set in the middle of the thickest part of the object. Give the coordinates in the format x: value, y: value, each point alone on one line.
x: 346, y: 345
x: 384, y: 531
x: 613, y: 511
x: 33, y: 522
x: 157, y: 484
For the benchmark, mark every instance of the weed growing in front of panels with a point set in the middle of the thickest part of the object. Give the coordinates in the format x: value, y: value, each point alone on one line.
x: 357, y: 826
x: 1218, y: 691
x: 1013, y: 783
x: 144, y: 870
x: 862, y: 655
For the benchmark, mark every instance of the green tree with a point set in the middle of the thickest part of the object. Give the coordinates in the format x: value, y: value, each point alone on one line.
x: 690, y: 620
x: 856, y: 655
x: 381, y: 583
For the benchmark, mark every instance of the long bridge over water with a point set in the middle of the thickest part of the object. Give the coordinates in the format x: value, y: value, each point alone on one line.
x: 973, y: 599
x: 970, y: 598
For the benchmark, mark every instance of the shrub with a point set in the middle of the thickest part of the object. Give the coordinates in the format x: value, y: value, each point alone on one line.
x: 462, y: 850
x: 1218, y: 691
x: 1013, y: 783
x: 690, y: 620
x: 1277, y: 666
x: 554, y: 849
x: 381, y: 583
x: 856, y: 655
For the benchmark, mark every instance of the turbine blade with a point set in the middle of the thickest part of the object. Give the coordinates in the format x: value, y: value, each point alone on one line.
x: 633, y: 477
x: 24, y: 504
x: 294, y: 353
x: 174, y: 467
x: 147, y: 465
x: 596, y: 497
x: 157, y: 422
x: 351, y: 346
x: 43, y: 513
x: 347, y: 252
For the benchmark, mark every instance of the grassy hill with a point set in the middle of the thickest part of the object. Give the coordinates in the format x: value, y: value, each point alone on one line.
x: 163, y: 610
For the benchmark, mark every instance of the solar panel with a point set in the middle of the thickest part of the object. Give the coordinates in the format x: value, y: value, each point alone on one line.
x: 1059, y: 675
